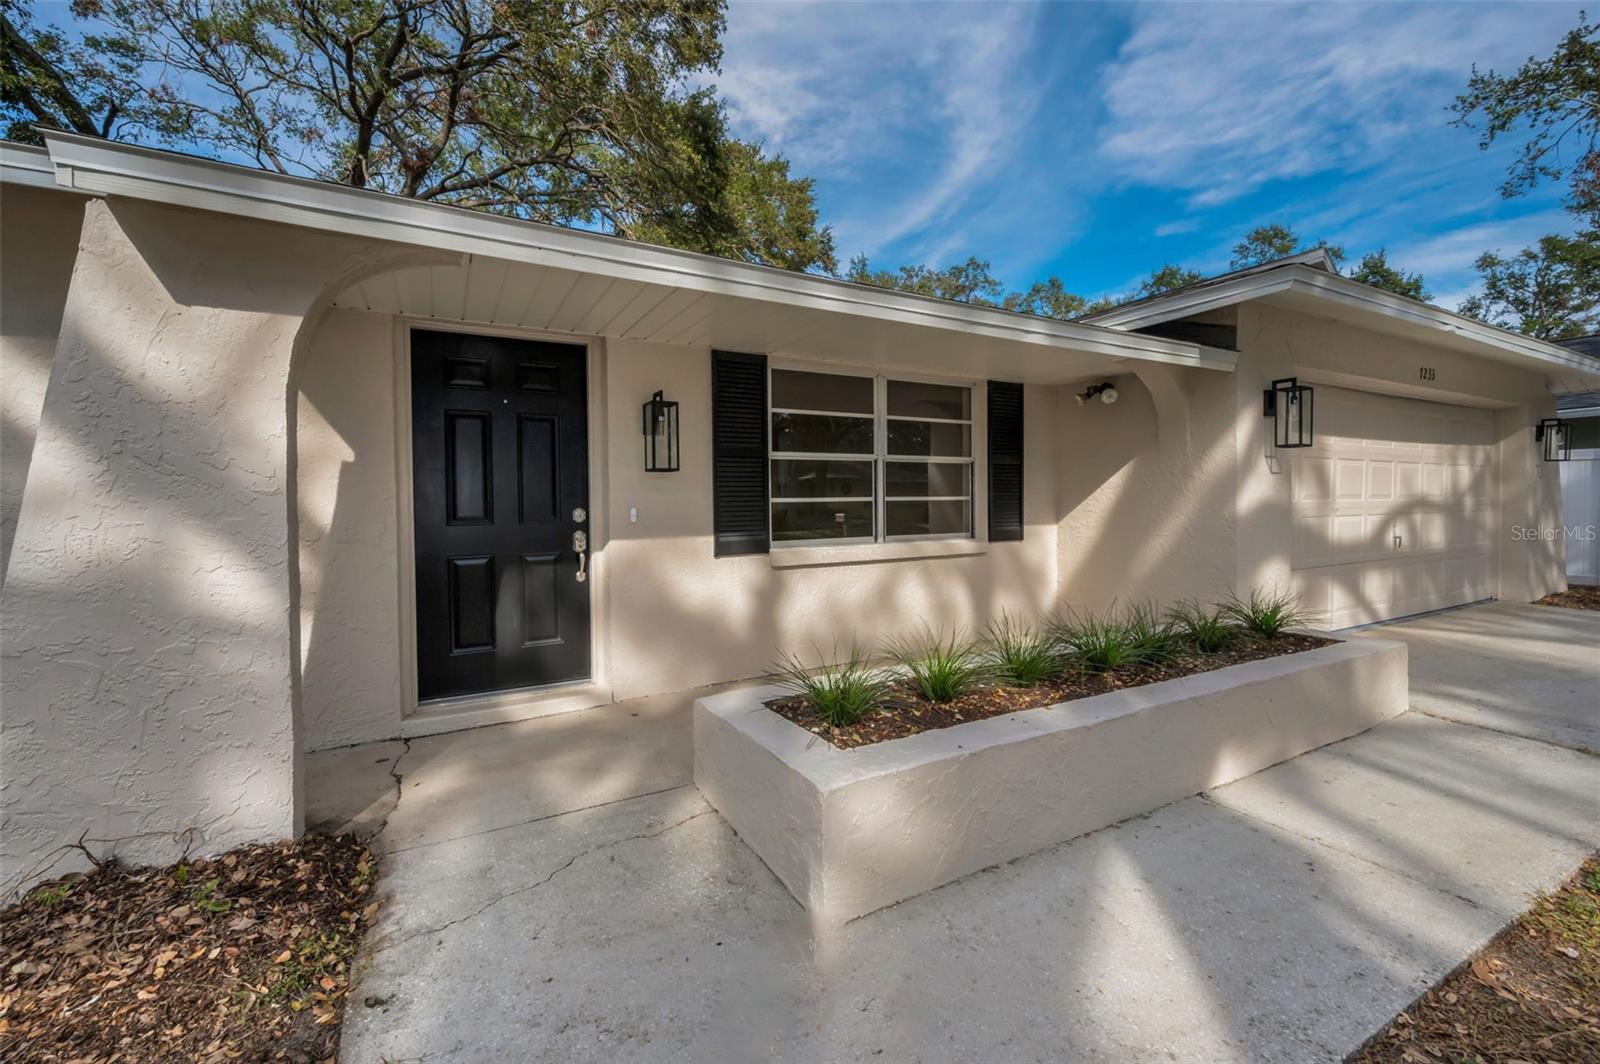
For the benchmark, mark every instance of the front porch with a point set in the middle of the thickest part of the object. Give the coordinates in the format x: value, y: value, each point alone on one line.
x: 559, y: 888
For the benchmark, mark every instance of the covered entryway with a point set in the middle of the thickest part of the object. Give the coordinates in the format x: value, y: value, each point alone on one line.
x: 1393, y: 507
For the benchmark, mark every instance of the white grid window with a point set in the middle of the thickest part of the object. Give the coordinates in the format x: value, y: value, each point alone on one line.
x: 859, y: 459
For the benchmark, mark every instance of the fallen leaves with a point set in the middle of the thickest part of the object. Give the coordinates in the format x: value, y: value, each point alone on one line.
x: 1531, y: 995
x: 246, y: 956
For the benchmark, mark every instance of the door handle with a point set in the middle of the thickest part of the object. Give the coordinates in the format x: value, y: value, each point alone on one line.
x: 580, y: 545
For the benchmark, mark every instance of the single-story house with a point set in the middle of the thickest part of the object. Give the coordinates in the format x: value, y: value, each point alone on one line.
x: 290, y: 465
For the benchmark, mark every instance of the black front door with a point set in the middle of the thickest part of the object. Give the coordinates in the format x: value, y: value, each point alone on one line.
x: 500, y: 459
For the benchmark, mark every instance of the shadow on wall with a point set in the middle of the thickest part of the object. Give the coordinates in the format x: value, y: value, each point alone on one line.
x: 148, y: 675
x: 348, y: 536
x: 1143, y: 518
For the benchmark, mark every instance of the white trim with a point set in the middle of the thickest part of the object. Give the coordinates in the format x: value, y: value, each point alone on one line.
x: 492, y: 707
x: 1333, y: 288
x: 977, y: 396
x: 108, y: 168
x: 24, y: 164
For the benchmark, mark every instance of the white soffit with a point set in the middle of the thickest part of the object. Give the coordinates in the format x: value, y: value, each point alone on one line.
x: 105, y: 168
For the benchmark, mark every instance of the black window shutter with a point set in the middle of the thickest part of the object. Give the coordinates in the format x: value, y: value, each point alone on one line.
x: 739, y: 453
x: 1005, y: 461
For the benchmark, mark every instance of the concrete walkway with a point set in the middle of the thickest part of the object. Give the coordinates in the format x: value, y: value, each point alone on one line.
x: 559, y: 891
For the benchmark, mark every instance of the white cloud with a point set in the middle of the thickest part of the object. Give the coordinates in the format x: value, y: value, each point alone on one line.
x: 1219, y: 99
x: 916, y: 102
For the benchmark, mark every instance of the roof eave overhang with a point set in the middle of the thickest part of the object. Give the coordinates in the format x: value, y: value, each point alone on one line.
x: 1342, y: 293
x: 97, y: 167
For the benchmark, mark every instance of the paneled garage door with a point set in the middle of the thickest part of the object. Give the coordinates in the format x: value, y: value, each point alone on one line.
x: 1393, y: 507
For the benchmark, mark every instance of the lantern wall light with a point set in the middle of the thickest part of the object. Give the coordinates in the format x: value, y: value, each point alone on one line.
x: 660, y: 435
x: 1556, y: 435
x: 1288, y: 404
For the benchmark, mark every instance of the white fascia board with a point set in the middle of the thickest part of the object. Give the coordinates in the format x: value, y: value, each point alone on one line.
x: 1344, y: 292
x: 106, y: 168
x: 24, y: 164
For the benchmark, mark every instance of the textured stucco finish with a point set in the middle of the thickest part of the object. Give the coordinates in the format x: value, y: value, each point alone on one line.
x: 38, y: 243
x: 349, y: 538
x: 851, y: 831
x: 147, y: 672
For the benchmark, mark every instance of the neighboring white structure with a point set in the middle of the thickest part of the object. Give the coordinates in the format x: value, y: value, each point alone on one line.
x: 1580, y: 476
x: 291, y: 465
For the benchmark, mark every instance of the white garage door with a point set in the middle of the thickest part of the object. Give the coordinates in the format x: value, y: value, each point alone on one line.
x: 1393, y: 507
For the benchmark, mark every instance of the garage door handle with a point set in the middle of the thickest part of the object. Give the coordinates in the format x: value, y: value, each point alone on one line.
x: 1397, y: 539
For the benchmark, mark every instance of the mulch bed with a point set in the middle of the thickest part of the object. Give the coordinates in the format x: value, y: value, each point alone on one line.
x: 1532, y: 994
x: 1575, y: 597
x: 242, y: 957
x: 905, y: 712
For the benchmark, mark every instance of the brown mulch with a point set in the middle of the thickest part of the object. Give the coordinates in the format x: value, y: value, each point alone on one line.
x: 245, y: 956
x: 1532, y: 994
x: 905, y: 712
x: 1575, y: 597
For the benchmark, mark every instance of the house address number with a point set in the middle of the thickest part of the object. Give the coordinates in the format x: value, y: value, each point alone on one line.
x: 1426, y: 373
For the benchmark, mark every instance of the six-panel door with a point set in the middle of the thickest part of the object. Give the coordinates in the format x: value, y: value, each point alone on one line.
x: 500, y: 467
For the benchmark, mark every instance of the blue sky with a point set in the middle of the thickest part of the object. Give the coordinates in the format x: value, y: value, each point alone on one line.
x: 1097, y: 141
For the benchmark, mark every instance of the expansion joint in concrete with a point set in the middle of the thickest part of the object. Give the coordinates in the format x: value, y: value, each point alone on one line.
x: 1587, y: 751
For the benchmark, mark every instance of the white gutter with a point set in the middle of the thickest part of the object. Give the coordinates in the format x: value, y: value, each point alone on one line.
x: 23, y: 164
x: 106, y: 168
x: 1333, y: 288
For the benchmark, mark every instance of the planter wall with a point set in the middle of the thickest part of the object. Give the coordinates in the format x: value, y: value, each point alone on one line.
x: 850, y: 831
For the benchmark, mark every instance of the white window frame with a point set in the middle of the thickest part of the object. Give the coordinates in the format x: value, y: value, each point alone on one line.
x: 879, y: 456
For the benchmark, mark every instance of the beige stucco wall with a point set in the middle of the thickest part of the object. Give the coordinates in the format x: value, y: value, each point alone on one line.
x: 673, y: 615
x: 146, y: 672
x: 679, y: 617
x: 349, y: 538
x: 1163, y: 498
x: 1275, y: 342
x: 38, y: 243
x: 1147, y: 490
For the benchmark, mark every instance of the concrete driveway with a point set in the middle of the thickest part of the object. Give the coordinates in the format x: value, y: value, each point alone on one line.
x: 559, y: 891
x: 1528, y: 670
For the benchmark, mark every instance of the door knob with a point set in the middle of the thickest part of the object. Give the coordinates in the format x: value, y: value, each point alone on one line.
x: 580, y: 545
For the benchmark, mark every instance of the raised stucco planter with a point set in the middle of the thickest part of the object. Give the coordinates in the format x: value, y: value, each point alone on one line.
x: 850, y: 831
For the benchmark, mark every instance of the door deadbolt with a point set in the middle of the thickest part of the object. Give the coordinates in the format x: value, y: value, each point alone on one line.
x: 579, y: 515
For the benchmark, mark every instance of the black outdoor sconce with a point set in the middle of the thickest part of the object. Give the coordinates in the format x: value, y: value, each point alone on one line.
x: 1288, y: 404
x: 1556, y: 436
x: 660, y: 435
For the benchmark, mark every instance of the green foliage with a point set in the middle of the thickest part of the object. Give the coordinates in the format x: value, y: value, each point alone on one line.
x: 204, y: 896
x: 314, y: 957
x: 1207, y: 630
x: 1265, y: 614
x: 1167, y: 279
x: 1374, y: 270
x: 50, y: 895
x: 964, y: 282
x: 1103, y: 641
x: 1551, y: 291
x: 1557, y: 99
x: 1019, y: 654
x: 591, y: 115
x: 842, y: 690
x: 1159, y: 638
x: 942, y: 669
x: 1275, y: 241
x: 1048, y: 298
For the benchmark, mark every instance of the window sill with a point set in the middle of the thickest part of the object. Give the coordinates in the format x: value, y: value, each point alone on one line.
x: 865, y: 553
